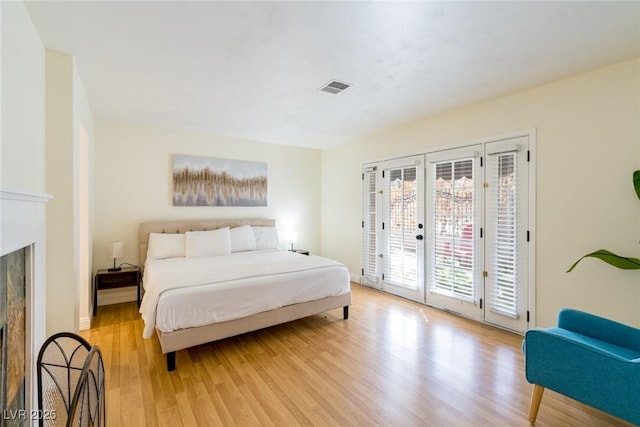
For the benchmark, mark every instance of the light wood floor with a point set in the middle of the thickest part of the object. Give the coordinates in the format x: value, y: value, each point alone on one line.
x: 393, y: 363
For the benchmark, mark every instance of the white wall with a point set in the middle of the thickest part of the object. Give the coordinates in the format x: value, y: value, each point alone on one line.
x: 67, y: 110
x: 133, y: 184
x: 588, y: 143
x: 61, y: 277
x: 22, y: 90
x: 22, y: 165
x: 83, y: 128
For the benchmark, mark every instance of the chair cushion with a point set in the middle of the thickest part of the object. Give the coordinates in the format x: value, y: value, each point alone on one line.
x: 612, y: 349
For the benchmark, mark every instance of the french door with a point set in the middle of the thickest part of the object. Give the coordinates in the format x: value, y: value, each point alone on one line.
x: 454, y: 251
x: 464, y: 246
x: 393, y: 228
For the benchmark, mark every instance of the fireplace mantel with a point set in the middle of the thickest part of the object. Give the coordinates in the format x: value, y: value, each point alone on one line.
x: 26, y: 196
x: 23, y: 224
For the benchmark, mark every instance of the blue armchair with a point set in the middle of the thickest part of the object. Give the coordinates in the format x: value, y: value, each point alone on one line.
x: 588, y: 358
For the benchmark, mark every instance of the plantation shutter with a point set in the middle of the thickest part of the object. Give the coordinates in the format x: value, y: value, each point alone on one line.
x: 369, y: 224
x: 453, y: 250
x: 401, y: 192
x: 506, y: 219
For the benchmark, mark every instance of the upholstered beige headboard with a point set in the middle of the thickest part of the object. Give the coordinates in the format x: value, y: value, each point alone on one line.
x: 183, y: 226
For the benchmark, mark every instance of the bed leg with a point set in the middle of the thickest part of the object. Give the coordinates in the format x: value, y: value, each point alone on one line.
x: 171, y: 361
x: 345, y: 312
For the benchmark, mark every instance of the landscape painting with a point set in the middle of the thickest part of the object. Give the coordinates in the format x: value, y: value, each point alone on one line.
x: 206, y: 181
x: 12, y: 336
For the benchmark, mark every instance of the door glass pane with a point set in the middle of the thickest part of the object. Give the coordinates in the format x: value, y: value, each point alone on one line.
x: 504, y: 293
x: 401, y: 258
x: 453, y: 258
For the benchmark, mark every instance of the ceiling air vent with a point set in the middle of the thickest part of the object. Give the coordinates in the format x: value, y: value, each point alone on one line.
x: 335, y: 87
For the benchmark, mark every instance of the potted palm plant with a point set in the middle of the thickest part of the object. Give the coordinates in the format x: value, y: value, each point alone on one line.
x: 626, y: 263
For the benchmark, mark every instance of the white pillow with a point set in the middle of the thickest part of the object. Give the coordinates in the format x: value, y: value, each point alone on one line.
x: 165, y: 245
x: 208, y: 243
x: 242, y: 239
x: 266, y: 237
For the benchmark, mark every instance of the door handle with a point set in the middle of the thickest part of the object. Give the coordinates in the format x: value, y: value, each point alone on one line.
x: 419, y: 237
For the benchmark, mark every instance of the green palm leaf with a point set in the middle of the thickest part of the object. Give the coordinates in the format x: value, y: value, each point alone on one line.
x: 617, y: 261
x: 625, y: 263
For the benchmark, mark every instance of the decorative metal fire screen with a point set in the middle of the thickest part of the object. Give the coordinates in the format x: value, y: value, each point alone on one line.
x: 71, y: 382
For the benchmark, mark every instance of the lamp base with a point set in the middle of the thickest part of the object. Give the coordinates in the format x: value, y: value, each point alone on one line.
x: 114, y: 268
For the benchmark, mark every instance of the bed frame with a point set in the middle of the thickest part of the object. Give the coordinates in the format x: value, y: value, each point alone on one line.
x: 170, y: 342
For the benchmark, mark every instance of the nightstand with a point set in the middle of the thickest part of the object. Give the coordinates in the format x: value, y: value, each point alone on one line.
x: 300, y: 251
x: 105, y: 279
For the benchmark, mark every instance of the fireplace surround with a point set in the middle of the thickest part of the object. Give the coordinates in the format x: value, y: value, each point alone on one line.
x: 22, y: 242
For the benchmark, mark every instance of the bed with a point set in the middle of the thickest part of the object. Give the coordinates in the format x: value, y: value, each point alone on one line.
x: 207, y: 280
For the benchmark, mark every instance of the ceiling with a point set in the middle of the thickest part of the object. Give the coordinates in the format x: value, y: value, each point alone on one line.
x: 253, y: 70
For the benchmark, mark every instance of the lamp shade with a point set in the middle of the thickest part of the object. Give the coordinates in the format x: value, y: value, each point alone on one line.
x: 116, y: 249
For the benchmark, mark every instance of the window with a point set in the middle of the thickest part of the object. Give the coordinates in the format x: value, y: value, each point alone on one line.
x: 401, y: 251
x: 453, y: 217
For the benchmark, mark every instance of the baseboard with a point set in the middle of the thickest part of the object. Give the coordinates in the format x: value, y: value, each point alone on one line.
x: 84, y: 323
x: 117, y: 296
x: 355, y: 277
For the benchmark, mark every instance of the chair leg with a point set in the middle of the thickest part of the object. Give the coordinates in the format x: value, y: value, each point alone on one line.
x: 536, y: 397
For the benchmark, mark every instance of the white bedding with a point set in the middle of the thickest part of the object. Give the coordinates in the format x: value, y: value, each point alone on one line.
x: 188, y: 292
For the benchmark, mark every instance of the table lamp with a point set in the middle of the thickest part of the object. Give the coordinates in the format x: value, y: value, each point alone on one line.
x: 116, y: 252
x: 293, y: 237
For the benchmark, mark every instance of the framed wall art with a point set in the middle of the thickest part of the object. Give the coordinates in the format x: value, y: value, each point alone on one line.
x: 207, y: 181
